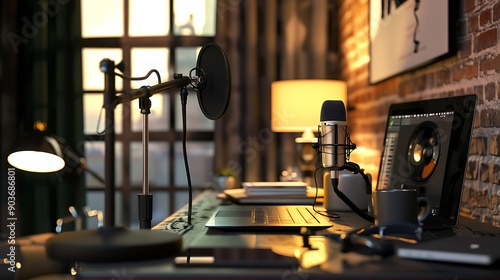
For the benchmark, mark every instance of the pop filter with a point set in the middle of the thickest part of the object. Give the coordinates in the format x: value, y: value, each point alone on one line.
x: 214, y: 87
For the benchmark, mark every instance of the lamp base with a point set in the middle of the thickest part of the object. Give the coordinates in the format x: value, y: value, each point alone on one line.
x: 113, y: 244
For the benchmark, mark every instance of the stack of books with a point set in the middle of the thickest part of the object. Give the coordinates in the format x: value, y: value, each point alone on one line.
x: 274, y: 188
x: 275, y: 193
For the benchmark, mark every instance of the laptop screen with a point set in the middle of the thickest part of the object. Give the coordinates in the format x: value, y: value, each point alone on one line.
x: 425, y: 148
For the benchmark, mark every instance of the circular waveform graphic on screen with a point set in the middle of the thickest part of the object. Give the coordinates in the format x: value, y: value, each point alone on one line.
x: 423, y: 151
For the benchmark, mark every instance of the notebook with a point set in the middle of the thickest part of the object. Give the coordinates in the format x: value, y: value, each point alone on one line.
x: 242, y: 217
x: 425, y: 147
x: 477, y: 250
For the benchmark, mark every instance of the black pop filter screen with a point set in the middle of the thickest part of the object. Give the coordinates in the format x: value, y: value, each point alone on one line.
x: 214, y: 91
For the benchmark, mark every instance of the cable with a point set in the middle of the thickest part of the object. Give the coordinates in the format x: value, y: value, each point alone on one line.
x: 354, y: 241
x: 140, y: 78
x: 346, y: 200
x: 331, y: 216
x: 127, y: 78
x: 184, y: 94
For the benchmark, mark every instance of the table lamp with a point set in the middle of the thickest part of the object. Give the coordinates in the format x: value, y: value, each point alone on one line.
x: 296, y: 107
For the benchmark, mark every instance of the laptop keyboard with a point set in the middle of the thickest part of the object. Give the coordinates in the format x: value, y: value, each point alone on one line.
x: 288, y: 215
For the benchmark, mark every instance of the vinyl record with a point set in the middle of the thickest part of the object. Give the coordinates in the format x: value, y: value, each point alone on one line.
x: 423, y: 151
x: 214, y: 92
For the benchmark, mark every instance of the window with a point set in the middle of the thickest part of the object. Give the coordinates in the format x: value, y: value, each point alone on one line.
x: 165, y: 35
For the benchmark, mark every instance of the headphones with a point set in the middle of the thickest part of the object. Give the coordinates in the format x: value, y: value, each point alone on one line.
x: 354, y: 242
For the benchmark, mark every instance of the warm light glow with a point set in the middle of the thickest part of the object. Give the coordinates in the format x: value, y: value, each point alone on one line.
x: 296, y: 104
x: 40, y: 126
x: 34, y: 161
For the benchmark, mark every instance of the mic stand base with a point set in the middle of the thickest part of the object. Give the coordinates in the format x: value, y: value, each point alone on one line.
x: 113, y: 244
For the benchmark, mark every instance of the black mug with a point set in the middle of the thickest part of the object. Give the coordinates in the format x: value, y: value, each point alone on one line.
x: 399, y: 206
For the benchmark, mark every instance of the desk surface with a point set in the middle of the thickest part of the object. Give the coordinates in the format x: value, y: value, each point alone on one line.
x: 324, y: 261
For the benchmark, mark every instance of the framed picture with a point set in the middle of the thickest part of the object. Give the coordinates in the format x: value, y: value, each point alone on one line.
x: 406, y: 34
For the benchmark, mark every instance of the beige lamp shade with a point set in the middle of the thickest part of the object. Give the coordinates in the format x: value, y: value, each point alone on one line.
x: 296, y: 104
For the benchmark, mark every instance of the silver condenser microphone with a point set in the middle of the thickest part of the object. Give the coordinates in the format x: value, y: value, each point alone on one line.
x: 335, y: 147
x: 333, y: 135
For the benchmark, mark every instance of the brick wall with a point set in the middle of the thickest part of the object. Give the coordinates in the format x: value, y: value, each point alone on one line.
x: 474, y: 69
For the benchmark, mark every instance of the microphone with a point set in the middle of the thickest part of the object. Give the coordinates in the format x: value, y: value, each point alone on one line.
x: 333, y: 135
x: 335, y: 147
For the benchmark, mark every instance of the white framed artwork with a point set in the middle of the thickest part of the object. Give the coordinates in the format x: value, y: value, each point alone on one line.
x: 407, y: 34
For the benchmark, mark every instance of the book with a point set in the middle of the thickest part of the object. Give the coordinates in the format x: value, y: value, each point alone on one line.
x: 275, y: 188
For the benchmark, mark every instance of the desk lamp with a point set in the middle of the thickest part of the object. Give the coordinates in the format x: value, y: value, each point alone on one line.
x: 296, y: 106
x: 41, y: 152
x: 38, y: 152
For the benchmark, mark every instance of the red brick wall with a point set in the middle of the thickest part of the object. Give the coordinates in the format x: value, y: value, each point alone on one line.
x: 474, y: 69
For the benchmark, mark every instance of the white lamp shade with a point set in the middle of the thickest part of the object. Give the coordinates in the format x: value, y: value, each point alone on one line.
x: 296, y: 104
x: 37, y: 152
x: 36, y: 161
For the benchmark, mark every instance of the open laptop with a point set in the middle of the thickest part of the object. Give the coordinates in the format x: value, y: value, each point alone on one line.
x: 426, y: 147
x: 258, y: 217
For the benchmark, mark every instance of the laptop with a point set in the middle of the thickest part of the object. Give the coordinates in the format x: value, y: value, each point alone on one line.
x: 259, y: 217
x: 477, y: 250
x: 425, y: 148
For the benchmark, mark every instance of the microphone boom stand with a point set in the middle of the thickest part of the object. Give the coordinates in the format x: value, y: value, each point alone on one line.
x: 108, y: 243
x: 111, y: 100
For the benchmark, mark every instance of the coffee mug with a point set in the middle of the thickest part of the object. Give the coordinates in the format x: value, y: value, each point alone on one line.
x: 399, y: 206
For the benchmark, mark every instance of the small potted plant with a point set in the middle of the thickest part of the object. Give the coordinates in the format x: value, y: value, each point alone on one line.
x: 226, y: 179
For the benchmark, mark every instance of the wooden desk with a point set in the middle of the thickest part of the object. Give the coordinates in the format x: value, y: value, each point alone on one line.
x: 324, y: 262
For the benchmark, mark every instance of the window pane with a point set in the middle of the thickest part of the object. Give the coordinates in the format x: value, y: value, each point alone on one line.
x: 145, y: 59
x: 94, y: 154
x: 158, y: 120
x: 102, y: 18
x: 93, y: 78
x: 194, y: 17
x: 95, y: 200
x: 158, y: 163
x: 185, y: 59
x: 94, y: 119
x: 160, y: 208
x: 201, y: 163
x: 148, y: 17
x: 195, y: 119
